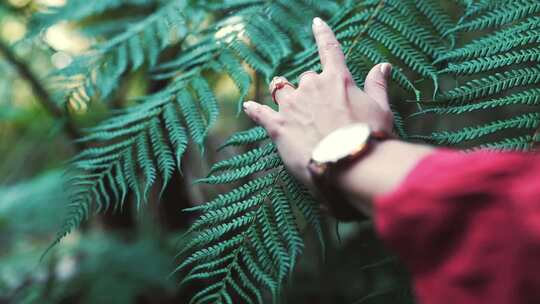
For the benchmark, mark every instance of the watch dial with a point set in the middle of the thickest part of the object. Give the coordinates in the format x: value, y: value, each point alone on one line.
x: 342, y: 143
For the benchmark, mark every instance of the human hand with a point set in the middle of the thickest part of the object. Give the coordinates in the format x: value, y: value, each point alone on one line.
x: 321, y: 104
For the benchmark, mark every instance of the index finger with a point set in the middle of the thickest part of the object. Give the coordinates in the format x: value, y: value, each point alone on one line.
x: 332, y: 57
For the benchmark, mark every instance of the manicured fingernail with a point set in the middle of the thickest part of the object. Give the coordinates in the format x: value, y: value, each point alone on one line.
x: 318, y: 21
x: 386, y: 68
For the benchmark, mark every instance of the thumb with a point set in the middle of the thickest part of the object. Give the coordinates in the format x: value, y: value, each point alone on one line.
x: 264, y: 116
x: 376, y: 85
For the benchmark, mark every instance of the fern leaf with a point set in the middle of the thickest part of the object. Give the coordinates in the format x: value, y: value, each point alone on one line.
x: 403, y: 50
x: 238, y: 194
x: 162, y: 152
x: 250, y: 136
x: 521, y: 143
x: 177, y: 134
x: 194, y: 120
x: 436, y: 14
x: 529, y: 97
x: 484, y: 64
x: 237, y: 73
x: 131, y: 178
x: 494, y: 84
x: 207, y: 99
x: 245, y: 159
x: 237, y: 174
x: 501, y: 15
x: 526, y: 121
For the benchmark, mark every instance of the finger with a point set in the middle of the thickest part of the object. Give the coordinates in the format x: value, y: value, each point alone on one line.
x: 376, y: 85
x: 332, y: 57
x: 307, y: 78
x: 263, y: 115
x: 281, y: 89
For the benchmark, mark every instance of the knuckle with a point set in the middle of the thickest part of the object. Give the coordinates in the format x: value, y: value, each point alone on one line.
x: 339, y: 75
x: 380, y: 83
x: 257, y: 112
x: 274, y: 131
x: 285, y: 96
x: 308, y: 80
x: 331, y: 46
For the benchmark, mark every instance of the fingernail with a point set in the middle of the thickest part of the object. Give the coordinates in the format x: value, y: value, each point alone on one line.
x: 248, y: 105
x: 386, y: 69
x: 318, y: 21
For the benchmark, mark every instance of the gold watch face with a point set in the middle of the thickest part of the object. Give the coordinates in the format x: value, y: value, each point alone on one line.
x: 342, y: 143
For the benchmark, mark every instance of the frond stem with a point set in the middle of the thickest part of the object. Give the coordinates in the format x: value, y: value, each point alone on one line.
x: 371, y: 19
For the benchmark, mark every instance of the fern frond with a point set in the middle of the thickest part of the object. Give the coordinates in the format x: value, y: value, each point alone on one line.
x: 238, y: 74
x: 267, y: 240
x: 267, y: 163
x: 238, y: 194
x: 245, y: 159
x: 196, y: 123
x: 250, y: 136
x: 494, y: 84
x: 477, y: 51
x: 521, y: 143
x: 177, y: 133
x: 437, y: 15
x: 76, y: 10
x: 103, y: 66
x: 500, y: 15
x: 421, y: 37
x: 526, y: 121
x: 207, y: 100
x: 485, y: 64
x: 139, y: 145
x: 529, y: 97
x: 401, y: 48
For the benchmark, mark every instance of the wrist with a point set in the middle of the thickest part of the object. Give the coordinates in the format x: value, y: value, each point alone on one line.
x: 381, y: 171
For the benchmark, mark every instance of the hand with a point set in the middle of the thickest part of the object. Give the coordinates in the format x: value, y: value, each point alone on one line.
x: 321, y: 104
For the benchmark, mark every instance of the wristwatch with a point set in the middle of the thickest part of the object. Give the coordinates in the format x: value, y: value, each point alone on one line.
x: 334, y: 153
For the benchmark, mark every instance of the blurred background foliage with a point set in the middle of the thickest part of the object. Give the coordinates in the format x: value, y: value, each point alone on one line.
x: 125, y: 256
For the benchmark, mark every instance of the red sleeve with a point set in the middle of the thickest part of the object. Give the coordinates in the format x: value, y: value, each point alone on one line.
x: 467, y: 226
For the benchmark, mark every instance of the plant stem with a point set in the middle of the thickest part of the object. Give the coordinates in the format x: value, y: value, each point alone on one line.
x: 371, y: 19
x: 40, y: 92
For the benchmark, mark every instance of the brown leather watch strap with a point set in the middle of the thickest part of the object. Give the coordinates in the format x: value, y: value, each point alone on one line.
x: 333, y: 197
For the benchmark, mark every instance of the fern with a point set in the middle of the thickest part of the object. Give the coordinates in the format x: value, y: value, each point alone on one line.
x: 502, y: 72
x: 77, y: 10
x: 494, y: 84
x: 137, y: 146
x: 500, y: 14
x: 261, y: 216
x: 251, y: 237
x: 95, y: 75
x: 526, y: 121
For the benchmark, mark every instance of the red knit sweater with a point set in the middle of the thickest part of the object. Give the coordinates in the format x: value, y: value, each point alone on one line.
x: 467, y: 226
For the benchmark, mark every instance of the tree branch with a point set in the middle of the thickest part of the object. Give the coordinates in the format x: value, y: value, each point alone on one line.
x: 40, y: 92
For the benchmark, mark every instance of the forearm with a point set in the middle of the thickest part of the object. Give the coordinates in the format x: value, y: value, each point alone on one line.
x: 380, y: 171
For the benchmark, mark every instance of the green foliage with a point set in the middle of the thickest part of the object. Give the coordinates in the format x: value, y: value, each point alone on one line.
x: 140, y: 41
x: 20, y: 211
x: 265, y: 242
x: 251, y: 237
x: 94, y: 269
